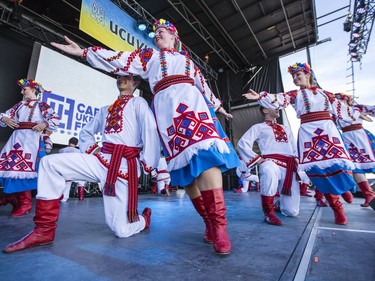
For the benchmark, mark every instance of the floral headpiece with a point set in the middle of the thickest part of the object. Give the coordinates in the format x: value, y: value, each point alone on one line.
x: 344, y: 96
x: 306, y: 68
x: 171, y: 28
x: 298, y: 67
x: 30, y: 83
x: 164, y: 23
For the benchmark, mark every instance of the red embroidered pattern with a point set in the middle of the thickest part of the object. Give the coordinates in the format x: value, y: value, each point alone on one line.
x: 115, y: 114
x: 322, y: 148
x: 145, y: 55
x: 292, y: 96
x: 92, y: 148
x: 252, y: 161
x: 359, y: 155
x: 145, y: 168
x: 16, y: 160
x: 189, y: 128
x: 278, y: 131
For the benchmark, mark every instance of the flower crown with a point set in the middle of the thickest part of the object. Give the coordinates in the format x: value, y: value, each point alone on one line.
x: 30, y: 83
x: 344, y: 96
x: 164, y: 23
x: 298, y: 67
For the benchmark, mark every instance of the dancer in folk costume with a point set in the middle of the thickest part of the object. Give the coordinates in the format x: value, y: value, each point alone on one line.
x: 129, y: 137
x: 361, y: 145
x: 195, y: 147
x: 244, y: 174
x: 322, y: 153
x: 277, y: 165
x: 162, y: 177
x: 72, y: 148
x: 19, y: 158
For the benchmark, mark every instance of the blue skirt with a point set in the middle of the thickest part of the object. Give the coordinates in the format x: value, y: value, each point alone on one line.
x: 334, y: 179
x: 204, y: 160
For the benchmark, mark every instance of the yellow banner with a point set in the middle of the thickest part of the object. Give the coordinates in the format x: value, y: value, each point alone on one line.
x: 110, y: 25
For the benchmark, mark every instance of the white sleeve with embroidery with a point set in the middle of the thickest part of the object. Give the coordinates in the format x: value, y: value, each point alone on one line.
x: 87, y: 141
x: 117, y: 62
x: 245, y: 146
x: 348, y: 114
x: 202, y: 85
x: 51, y: 117
x: 369, y: 109
x: 274, y: 101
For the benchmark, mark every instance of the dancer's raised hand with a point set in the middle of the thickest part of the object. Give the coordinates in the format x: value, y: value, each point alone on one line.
x: 251, y: 95
x: 71, y: 48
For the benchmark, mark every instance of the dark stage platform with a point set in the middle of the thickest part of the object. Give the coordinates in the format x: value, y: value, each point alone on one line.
x: 308, y: 247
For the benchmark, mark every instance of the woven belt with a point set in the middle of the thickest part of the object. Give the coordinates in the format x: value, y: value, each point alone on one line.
x: 26, y: 125
x: 172, y: 80
x: 353, y: 127
x: 291, y: 166
x: 315, y: 116
x: 119, y: 151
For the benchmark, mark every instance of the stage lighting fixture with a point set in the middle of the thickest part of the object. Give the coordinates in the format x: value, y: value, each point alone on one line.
x: 150, y: 32
x: 142, y: 25
x: 347, y: 26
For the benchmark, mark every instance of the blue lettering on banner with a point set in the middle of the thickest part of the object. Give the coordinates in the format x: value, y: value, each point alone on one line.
x: 74, y: 116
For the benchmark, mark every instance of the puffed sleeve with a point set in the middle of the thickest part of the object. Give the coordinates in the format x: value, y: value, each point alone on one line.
x: 119, y: 62
x: 201, y: 84
x: 10, y: 113
x: 87, y: 141
x: 275, y: 101
x: 245, y: 146
x: 50, y: 117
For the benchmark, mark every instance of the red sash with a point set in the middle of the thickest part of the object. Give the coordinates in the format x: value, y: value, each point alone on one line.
x: 25, y: 125
x: 315, y: 116
x: 353, y: 127
x: 119, y: 151
x: 291, y: 166
x: 172, y: 80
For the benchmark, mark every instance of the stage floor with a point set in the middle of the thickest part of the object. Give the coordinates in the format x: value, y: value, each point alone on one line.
x: 308, y: 247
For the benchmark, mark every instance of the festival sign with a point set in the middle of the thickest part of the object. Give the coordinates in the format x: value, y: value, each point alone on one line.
x: 110, y: 25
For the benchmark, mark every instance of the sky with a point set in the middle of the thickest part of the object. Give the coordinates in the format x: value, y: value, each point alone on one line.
x: 330, y: 61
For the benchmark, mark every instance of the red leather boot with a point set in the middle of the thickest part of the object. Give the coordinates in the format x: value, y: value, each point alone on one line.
x: 81, y: 192
x: 46, y: 216
x: 368, y: 193
x: 269, y: 211
x: 199, y: 207
x: 25, y: 206
x: 11, y: 199
x: 147, y: 216
x: 348, y: 197
x: 303, y: 187
x: 338, y: 210
x: 214, y: 204
x: 319, y: 199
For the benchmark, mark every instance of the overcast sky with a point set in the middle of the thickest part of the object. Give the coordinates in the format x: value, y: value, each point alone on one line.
x: 330, y: 60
